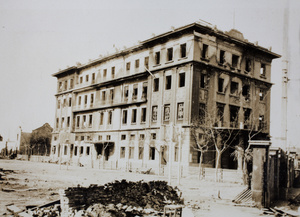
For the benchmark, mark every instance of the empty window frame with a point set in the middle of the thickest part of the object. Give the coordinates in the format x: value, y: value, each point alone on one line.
x: 104, y: 73
x: 81, y: 150
x: 145, y: 90
x: 222, y: 57
x: 100, y: 137
x: 71, y: 83
x: 176, y: 153
x: 181, y: 79
x: 85, y: 99
x: 220, y: 115
x: 108, y: 137
x: 143, y: 115
x: 246, y: 90
x: 87, y: 78
x: 156, y: 84
x: 146, y: 62
x: 126, y: 92
x: 183, y: 50
x: 93, y: 77
x: 128, y: 66
x: 263, y: 70
x: 170, y: 54
x: 153, y: 136
x: 235, y: 61
x: 101, y: 118
x: 168, y: 82
x: 132, y: 137
x: 248, y: 66
x: 122, y: 152
x: 261, y: 122
x: 220, y: 85
x: 111, y: 93
x: 180, y: 111
x: 70, y: 101
x: 68, y: 121
x: 142, y: 137
x: 154, y: 113
x: 204, y: 53
x: 103, y: 95
x: 167, y: 112
x: 151, y: 153
x: 78, y: 121
x: 84, y: 121
x: 203, y: 80
x: 141, y: 152
x: 88, y: 150
x: 234, y: 116
x: 79, y: 100
x: 261, y: 94
x: 202, y: 112
x: 113, y: 72
x: 90, y: 120
x: 124, y: 117
x: 80, y: 80
x: 75, y: 151
x: 131, y: 153
x: 65, y: 150
x: 137, y: 63
x: 62, y: 122
x: 247, y: 116
x: 133, y: 116
x: 135, y: 92
x: 66, y: 85
x: 58, y: 104
x: 92, y: 99
x: 234, y: 86
x: 123, y: 137
x: 157, y: 58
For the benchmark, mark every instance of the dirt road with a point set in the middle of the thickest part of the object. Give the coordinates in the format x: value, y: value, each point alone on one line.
x: 32, y: 183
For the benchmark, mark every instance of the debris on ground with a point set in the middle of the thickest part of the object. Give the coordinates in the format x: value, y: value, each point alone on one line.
x: 295, y: 201
x: 279, y: 212
x: 116, y: 199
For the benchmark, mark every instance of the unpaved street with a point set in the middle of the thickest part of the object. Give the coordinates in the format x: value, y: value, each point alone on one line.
x: 32, y: 183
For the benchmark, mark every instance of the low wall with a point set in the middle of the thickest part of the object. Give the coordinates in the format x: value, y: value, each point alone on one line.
x: 34, y: 158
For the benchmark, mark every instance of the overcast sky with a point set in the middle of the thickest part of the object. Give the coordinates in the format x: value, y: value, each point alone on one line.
x: 37, y: 38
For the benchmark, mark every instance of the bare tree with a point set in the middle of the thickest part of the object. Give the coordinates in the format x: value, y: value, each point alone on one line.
x: 213, y: 132
x: 202, y: 140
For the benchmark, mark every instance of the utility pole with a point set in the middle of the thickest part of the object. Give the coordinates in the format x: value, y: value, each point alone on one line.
x: 285, y: 63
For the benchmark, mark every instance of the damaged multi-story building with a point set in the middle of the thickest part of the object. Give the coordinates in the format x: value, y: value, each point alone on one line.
x: 134, y: 108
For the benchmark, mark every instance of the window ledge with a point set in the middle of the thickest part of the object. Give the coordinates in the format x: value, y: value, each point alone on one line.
x: 204, y: 59
x: 157, y: 65
x: 183, y: 58
x: 170, y: 61
x: 222, y: 93
x: 263, y: 76
x: 234, y: 95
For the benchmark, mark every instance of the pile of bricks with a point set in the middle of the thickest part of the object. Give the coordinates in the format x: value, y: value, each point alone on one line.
x: 121, y: 197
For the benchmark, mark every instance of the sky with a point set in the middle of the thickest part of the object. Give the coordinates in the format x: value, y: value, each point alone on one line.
x: 37, y: 38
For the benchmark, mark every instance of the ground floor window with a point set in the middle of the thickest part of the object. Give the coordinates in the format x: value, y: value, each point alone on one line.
x: 176, y: 154
x: 152, y: 153
x: 122, y: 152
x: 75, y: 150
x: 141, y: 153
x: 131, y: 152
x: 65, y: 150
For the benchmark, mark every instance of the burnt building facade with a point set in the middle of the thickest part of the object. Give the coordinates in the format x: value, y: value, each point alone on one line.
x: 133, y: 109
